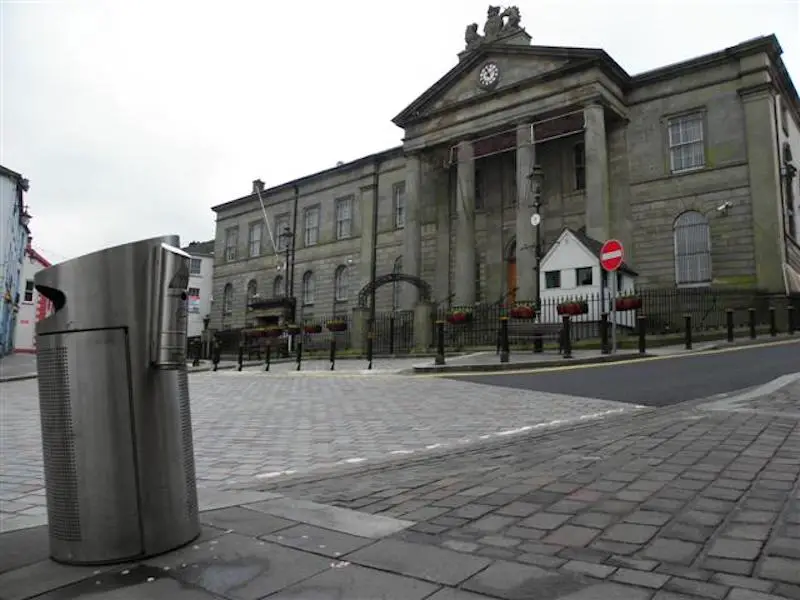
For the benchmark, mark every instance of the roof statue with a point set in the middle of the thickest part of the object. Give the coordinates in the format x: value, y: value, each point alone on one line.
x: 498, y: 24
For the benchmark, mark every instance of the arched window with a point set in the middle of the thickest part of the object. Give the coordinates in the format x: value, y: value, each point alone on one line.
x: 692, y: 235
x: 252, y: 289
x: 227, y: 299
x: 341, y: 284
x: 278, y: 288
x: 397, y: 269
x: 308, y: 288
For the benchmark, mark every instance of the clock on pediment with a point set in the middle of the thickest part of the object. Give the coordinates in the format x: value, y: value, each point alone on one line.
x: 489, y: 75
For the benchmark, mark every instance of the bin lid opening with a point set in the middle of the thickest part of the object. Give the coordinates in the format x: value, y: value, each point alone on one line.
x: 57, y: 297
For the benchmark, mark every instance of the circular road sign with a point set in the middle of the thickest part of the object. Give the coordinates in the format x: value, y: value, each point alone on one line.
x: 611, y: 255
x: 536, y: 218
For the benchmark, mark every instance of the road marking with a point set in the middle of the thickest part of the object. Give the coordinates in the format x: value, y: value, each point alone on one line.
x: 536, y: 371
x: 497, y: 434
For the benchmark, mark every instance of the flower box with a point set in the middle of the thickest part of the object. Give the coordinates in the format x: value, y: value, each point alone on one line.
x: 522, y: 312
x: 628, y: 303
x: 459, y: 317
x: 312, y: 328
x: 573, y: 308
x: 336, y: 325
x: 292, y: 329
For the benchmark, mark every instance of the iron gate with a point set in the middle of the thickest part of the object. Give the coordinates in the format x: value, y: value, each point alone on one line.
x: 394, y: 333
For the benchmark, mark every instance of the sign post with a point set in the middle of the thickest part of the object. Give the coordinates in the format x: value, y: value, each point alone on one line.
x: 611, y: 259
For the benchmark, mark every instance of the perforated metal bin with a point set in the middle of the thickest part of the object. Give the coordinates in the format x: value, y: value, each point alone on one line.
x: 114, y: 399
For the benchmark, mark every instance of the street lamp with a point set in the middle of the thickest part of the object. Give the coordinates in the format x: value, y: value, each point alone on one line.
x: 537, y: 178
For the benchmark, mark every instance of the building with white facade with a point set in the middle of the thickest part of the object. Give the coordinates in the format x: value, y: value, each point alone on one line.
x: 201, y: 274
x: 14, y: 233
x: 33, y: 306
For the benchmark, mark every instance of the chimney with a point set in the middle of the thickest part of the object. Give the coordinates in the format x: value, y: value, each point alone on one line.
x: 258, y: 186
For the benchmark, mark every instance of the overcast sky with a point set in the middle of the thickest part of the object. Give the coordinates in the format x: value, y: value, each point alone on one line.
x: 132, y: 118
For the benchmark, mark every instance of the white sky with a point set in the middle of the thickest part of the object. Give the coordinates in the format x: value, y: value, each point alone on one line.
x: 132, y: 118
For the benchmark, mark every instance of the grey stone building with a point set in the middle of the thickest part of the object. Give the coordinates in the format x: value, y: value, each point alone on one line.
x: 689, y: 165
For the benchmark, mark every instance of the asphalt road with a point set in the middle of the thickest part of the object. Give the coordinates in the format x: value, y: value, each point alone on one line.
x: 661, y: 382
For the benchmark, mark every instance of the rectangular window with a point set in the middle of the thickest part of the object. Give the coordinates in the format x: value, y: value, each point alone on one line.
x: 552, y: 280
x: 311, y: 226
x: 686, y: 145
x: 254, y: 236
x: 195, y: 266
x: 344, y: 217
x: 281, y: 227
x: 606, y: 279
x: 579, y: 165
x: 29, y: 290
x: 399, y: 201
x: 231, y: 243
x: 193, y: 292
x: 583, y: 276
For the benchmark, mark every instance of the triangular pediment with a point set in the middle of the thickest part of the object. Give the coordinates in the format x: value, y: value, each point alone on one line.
x: 517, y: 65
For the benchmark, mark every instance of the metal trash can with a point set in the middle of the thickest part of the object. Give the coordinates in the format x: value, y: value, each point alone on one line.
x: 114, y: 400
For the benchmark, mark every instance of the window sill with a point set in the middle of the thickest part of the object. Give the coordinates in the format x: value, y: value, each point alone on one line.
x: 688, y: 171
x: 689, y: 286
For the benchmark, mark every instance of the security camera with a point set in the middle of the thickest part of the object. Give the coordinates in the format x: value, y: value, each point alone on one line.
x: 723, y: 207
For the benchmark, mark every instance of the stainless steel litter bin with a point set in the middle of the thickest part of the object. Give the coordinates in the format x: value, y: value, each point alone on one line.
x: 114, y: 400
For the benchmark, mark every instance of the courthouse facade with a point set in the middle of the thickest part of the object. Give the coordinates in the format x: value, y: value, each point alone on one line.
x: 692, y: 166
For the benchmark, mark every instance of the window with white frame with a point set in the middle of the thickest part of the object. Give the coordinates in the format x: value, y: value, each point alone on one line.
x: 28, y: 291
x: 195, y: 266
x: 227, y: 300
x: 308, y: 288
x: 281, y: 226
x: 344, y: 217
x: 399, y: 202
x: 311, y: 226
x: 686, y: 142
x: 231, y: 243
x: 692, y: 236
x: 341, y: 282
x: 254, y: 236
x: 397, y: 269
x: 278, y: 287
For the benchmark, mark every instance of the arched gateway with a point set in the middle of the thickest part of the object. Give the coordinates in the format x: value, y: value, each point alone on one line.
x: 423, y: 287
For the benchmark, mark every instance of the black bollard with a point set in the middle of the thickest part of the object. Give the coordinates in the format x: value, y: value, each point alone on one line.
x: 299, y: 354
x: 333, y: 353
x: 687, y: 335
x: 729, y: 324
x: 241, y: 356
x: 604, y: 349
x: 790, y: 318
x: 369, y: 348
x: 216, y: 354
x: 773, y: 326
x: 751, y: 322
x: 566, y: 337
x: 197, y: 349
x: 439, y: 342
x: 504, y: 339
x: 538, y: 343
x: 641, y: 322
x: 267, y: 357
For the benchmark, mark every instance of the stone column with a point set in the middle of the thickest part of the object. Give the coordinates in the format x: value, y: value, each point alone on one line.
x: 441, y: 286
x: 597, y: 187
x: 527, y: 284
x: 359, y: 329
x: 423, y: 326
x: 765, y: 185
x: 412, y: 232
x: 464, y: 275
x: 367, y: 206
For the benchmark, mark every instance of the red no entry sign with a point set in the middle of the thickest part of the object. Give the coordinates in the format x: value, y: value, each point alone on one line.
x: 611, y: 255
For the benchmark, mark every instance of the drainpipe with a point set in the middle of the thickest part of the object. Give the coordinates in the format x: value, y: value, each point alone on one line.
x: 781, y: 196
x: 290, y: 274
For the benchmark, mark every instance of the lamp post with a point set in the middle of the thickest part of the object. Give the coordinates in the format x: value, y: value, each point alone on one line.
x: 537, y: 178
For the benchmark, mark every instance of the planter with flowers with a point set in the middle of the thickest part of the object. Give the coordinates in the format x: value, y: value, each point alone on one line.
x: 459, y: 316
x: 335, y: 325
x: 628, y: 303
x: 522, y: 311
x: 315, y: 328
x: 573, y: 308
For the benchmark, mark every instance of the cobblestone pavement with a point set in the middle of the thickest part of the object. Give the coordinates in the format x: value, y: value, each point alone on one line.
x: 255, y: 424
x: 694, y: 501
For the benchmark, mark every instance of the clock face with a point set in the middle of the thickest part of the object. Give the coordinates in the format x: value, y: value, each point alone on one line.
x: 489, y: 75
